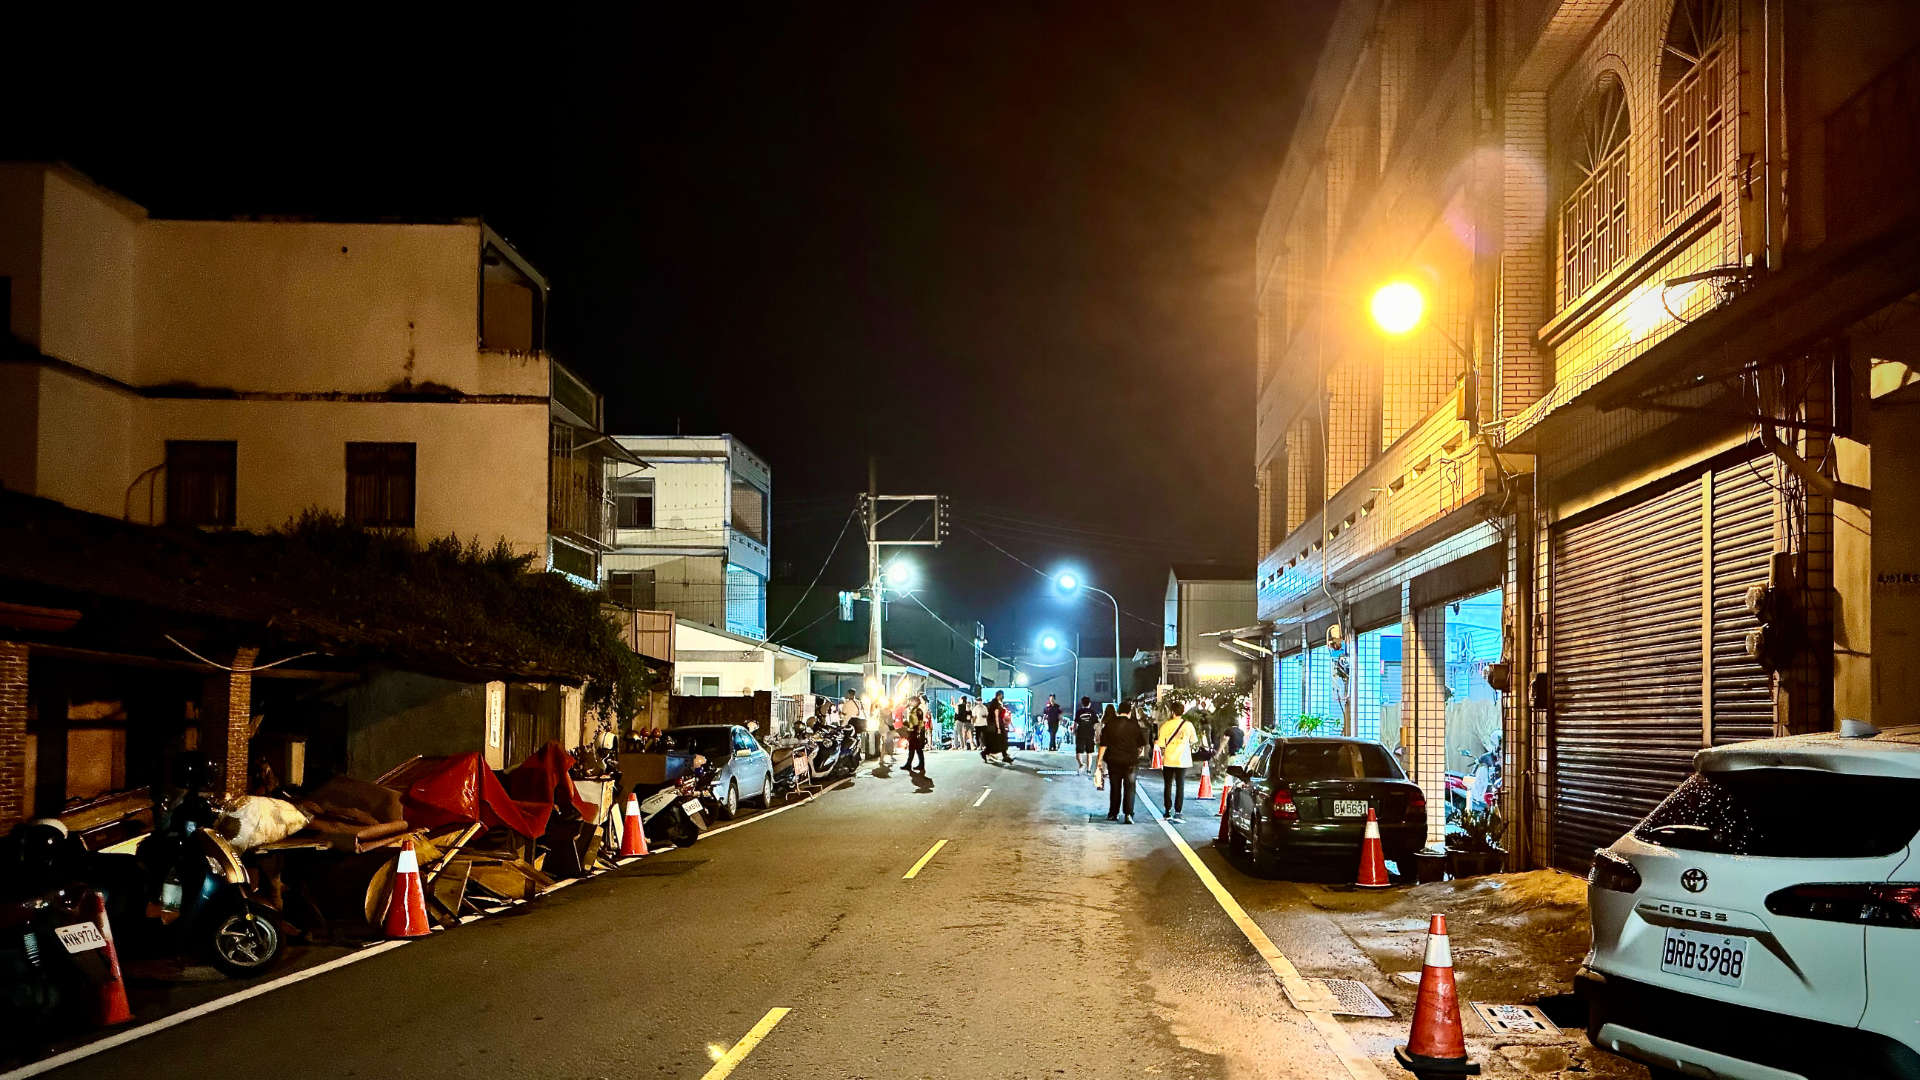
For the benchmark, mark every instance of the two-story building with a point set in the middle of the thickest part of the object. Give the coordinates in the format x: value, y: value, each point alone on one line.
x: 235, y: 374
x: 1579, y: 326
x: 692, y: 533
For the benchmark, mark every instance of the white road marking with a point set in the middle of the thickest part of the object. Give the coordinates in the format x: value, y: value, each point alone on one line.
x: 924, y: 860
x: 983, y: 797
x: 745, y: 1046
x: 81, y: 1053
x: 1309, y: 996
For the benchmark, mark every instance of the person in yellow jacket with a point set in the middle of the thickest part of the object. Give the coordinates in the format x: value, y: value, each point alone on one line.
x: 1176, y: 741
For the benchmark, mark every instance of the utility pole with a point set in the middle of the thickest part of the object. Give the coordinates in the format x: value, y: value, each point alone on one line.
x: 876, y: 573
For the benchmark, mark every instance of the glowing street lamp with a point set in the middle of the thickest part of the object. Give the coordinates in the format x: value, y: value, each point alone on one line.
x: 1070, y: 583
x: 1050, y: 643
x: 901, y: 576
x: 1398, y: 307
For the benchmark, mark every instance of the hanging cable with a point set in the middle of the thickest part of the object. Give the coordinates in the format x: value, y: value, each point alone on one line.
x: 824, y: 563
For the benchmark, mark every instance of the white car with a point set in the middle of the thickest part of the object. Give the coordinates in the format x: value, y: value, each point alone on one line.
x: 1764, y: 921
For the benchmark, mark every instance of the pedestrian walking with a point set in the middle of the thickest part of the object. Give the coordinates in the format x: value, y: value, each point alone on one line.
x: 977, y: 714
x: 1084, y: 721
x: 1053, y: 712
x: 1232, y: 741
x: 917, y: 731
x: 1176, y: 741
x: 1120, y: 744
x: 999, y: 724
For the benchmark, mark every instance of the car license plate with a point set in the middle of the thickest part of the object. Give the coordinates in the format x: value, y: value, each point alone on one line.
x: 1715, y: 958
x: 692, y: 806
x: 1349, y: 808
x: 80, y: 937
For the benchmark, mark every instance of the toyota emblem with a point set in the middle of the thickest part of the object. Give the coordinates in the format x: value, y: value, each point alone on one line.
x: 1694, y: 880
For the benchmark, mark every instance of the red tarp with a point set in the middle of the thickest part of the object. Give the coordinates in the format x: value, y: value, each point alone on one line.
x: 462, y: 790
x: 544, y: 777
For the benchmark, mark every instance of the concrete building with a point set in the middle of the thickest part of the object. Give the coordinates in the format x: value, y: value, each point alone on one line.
x: 234, y: 374
x: 710, y: 662
x: 1203, y: 599
x: 1666, y: 253
x: 693, y: 532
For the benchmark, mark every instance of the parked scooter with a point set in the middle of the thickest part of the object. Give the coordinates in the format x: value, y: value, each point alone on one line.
x: 851, y: 750
x: 675, y: 813
x: 50, y: 959
x: 185, y: 889
x: 826, y: 751
x: 1477, y: 788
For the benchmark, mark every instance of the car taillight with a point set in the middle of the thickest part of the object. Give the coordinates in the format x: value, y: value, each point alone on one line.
x: 1889, y: 903
x: 1283, y: 808
x: 1613, y: 873
x: 1417, y: 806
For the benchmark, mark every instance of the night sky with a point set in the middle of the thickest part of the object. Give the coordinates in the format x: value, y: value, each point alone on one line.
x: 1009, y: 250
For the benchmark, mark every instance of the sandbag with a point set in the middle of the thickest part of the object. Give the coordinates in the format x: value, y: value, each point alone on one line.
x: 253, y: 820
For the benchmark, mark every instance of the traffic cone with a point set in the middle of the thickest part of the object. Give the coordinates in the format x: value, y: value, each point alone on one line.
x: 1224, y: 790
x: 1436, y: 1046
x: 113, y: 993
x: 1156, y: 757
x: 1225, y: 823
x: 406, y: 904
x: 633, y: 836
x: 1373, y: 858
x: 1206, y: 789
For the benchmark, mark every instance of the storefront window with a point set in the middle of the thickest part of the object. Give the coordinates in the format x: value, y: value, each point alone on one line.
x: 1474, y: 765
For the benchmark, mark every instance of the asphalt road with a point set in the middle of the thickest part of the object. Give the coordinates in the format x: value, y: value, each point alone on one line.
x: 1034, y: 943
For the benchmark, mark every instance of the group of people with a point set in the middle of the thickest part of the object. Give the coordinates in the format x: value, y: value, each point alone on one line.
x: 983, y: 726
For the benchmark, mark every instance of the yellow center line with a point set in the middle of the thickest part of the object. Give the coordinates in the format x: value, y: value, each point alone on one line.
x: 745, y: 1046
x: 924, y: 860
x: 1311, y: 997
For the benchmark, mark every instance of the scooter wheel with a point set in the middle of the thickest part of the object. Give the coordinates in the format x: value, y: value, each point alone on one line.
x: 245, y: 941
x: 683, y: 833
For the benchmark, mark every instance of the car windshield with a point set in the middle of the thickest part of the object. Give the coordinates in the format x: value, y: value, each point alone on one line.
x: 715, y: 743
x: 1338, y: 761
x: 1787, y: 814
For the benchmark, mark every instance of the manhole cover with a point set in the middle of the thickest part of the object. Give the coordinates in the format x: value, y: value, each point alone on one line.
x: 1355, y: 999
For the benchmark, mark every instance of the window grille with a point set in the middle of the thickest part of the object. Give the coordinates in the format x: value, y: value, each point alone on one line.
x: 1594, y: 233
x: 1692, y: 109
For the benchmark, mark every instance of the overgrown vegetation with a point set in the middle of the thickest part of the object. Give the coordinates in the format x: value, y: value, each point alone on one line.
x: 478, y: 603
x: 1217, y: 698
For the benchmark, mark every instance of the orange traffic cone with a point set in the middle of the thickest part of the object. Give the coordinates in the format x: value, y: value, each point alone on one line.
x: 1206, y: 789
x: 1225, y: 823
x: 1373, y: 858
x: 1225, y: 789
x: 406, y: 904
x: 1156, y: 757
x: 113, y: 993
x: 1436, y: 1046
x: 633, y: 836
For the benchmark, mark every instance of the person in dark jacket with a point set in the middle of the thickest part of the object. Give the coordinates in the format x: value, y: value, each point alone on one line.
x: 1053, y: 713
x: 1121, y: 740
x: 917, y: 729
x: 1085, y: 719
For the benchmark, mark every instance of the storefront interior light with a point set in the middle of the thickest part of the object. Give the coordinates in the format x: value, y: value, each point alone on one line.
x: 1215, y: 671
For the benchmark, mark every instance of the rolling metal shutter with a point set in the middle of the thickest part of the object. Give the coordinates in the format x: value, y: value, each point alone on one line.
x: 1637, y: 640
x: 1625, y: 654
x: 1743, y: 503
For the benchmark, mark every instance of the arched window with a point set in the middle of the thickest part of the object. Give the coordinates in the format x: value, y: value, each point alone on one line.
x: 1692, y: 109
x: 1594, y: 234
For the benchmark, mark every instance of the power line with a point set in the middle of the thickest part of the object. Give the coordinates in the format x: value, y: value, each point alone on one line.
x: 950, y: 626
x: 1049, y: 577
x: 841, y: 535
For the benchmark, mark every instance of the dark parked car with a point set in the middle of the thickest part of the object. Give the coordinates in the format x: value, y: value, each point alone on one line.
x: 1307, y: 798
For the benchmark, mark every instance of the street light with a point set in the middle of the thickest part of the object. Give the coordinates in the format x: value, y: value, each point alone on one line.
x: 1019, y: 678
x: 1070, y: 583
x: 901, y: 576
x: 1398, y: 307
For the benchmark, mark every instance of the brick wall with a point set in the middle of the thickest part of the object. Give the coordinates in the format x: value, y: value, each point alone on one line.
x: 13, y: 733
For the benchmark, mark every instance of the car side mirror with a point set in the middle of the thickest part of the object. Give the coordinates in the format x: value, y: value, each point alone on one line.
x: 1238, y: 772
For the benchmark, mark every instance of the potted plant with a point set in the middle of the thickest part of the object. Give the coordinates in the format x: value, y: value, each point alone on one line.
x: 1474, y: 848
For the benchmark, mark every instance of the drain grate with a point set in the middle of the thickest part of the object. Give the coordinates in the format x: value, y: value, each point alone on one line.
x: 1356, y: 1000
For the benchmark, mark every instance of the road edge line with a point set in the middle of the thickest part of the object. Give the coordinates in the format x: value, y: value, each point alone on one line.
x: 1298, y: 989
x: 152, y: 1027
x: 982, y: 798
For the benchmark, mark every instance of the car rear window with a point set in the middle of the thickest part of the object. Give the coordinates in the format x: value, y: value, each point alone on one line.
x: 1787, y: 814
x: 1338, y: 761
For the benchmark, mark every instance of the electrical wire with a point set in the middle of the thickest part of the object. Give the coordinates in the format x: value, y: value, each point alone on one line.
x: 237, y: 670
x: 824, y: 563
x: 1049, y: 577
x: 955, y: 630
